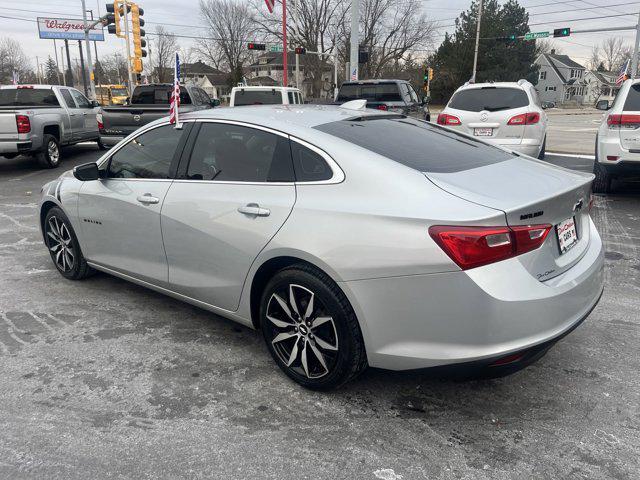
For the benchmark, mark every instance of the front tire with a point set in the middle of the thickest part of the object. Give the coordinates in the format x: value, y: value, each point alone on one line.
x: 311, y: 329
x: 50, y: 155
x: 63, y: 246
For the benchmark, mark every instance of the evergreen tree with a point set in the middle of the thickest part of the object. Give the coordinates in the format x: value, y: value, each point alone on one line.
x: 498, y: 60
x: 51, y: 72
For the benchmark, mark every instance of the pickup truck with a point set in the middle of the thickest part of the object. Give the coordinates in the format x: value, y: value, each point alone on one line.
x: 38, y: 120
x: 264, y: 96
x: 392, y: 95
x: 148, y: 103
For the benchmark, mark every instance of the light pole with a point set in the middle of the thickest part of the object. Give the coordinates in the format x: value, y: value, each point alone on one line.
x: 353, y: 57
x: 634, y: 59
x: 475, y: 54
x: 87, y: 44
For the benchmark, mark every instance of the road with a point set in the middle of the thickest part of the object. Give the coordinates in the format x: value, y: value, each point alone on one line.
x: 105, y: 379
x: 572, y: 131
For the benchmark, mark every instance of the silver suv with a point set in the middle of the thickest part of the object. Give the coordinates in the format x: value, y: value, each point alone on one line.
x: 508, y: 114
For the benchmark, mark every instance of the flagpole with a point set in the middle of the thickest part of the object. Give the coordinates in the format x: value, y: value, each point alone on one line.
x: 284, y: 43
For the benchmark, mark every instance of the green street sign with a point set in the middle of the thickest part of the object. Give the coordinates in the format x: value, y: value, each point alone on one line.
x: 534, y: 35
x: 275, y: 48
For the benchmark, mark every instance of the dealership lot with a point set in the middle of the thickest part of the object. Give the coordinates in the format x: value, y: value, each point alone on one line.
x: 103, y: 378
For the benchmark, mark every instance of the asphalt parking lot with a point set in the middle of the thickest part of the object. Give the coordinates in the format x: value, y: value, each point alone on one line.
x: 105, y: 379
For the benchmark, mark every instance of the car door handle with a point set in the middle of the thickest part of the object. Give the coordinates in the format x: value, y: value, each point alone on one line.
x: 255, y: 210
x: 148, y: 199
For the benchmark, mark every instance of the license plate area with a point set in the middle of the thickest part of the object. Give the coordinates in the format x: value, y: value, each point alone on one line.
x: 567, y: 234
x: 483, y: 132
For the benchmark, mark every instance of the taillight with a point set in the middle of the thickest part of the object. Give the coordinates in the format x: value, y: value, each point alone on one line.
x: 591, y: 201
x: 99, y: 119
x: 617, y: 120
x: 530, y: 118
x: 382, y: 107
x: 23, y: 123
x: 471, y: 247
x: 446, y: 119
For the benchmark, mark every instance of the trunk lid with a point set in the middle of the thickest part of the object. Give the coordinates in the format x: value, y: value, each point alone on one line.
x: 8, y: 126
x: 530, y: 192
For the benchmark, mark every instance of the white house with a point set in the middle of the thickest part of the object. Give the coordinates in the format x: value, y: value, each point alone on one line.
x: 560, y: 79
x: 600, y: 85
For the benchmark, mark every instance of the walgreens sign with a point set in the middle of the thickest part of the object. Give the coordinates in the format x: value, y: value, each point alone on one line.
x: 71, y: 29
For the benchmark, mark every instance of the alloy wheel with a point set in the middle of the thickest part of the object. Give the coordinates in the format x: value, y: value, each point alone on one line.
x: 53, y: 152
x: 60, y: 244
x: 302, y: 332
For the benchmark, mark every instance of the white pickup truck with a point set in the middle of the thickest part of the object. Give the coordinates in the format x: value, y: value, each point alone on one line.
x: 264, y: 96
x: 38, y: 119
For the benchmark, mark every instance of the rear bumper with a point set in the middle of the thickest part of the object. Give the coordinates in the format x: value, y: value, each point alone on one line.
x: 531, y: 149
x: 626, y: 162
x: 424, y: 321
x: 16, y: 147
x: 111, y: 140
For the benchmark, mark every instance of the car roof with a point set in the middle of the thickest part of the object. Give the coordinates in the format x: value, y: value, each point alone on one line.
x: 266, y: 87
x: 283, y: 116
x: 468, y: 86
x: 375, y: 80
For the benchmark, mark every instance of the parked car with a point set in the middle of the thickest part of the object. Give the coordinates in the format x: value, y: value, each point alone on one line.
x: 249, y: 95
x: 396, y: 96
x: 618, y: 138
x: 38, y: 120
x: 148, y: 103
x: 508, y: 114
x: 349, y: 236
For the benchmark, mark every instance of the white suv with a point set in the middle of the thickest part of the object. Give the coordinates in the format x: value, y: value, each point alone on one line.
x: 618, y: 138
x: 265, y: 96
x: 508, y: 114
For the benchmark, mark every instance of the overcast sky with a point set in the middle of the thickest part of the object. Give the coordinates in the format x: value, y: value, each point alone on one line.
x: 176, y: 13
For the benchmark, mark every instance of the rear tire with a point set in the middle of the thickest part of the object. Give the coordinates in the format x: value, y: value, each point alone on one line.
x: 63, y: 246
x: 319, y: 346
x: 50, y: 155
x: 543, y: 149
x: 602, y: 182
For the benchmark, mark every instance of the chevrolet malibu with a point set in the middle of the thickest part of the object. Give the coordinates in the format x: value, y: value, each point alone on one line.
x: 349, y: 237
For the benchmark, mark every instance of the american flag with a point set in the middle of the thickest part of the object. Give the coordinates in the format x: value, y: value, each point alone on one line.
x: 174, y: 104
x: 622, y: 74
x: 270, y: 4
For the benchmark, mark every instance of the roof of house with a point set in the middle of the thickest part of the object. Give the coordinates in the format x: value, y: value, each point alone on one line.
x: 565, y: 60
x: 262, y: 80
x: 605, y: 77
x: 218, y: 78
x: 275, y: 58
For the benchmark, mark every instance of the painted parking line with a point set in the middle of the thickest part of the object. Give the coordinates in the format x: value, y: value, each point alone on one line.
x: 572, y: 155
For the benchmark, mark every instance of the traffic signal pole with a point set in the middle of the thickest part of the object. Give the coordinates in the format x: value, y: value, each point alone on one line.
x: 353, y: 57
x: 475, y: 53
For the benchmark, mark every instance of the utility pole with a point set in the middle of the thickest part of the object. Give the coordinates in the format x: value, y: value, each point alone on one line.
x: 69, y: 71
x: 353, y: 57
x: 87, y: 44
x: 634, y: 59
x: 55, y: 50
x: 475, y: 54
x: 95, y: 48
x: 285, y: 53
x: 295, y: 23
x: 64, y: 71
x: 84, y: 73
x: 126, y: 37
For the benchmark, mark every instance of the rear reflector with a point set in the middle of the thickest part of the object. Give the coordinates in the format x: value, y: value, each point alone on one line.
x: 471, y: 247
x: 23, y: 123
x: 616, y: 119
x: 446, y: 119
x: 612, y: 158
x: 530, y: 118
x: 514, y: 357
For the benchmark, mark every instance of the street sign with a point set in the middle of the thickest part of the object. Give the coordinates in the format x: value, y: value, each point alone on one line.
x: 67, y: 28
x: 534, y: 35
x: 275, y: 48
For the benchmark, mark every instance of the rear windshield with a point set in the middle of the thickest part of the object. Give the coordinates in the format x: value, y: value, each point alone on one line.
x: 157, y: 95
x: 28, y: 97
x: 632, y: 102
x: 416, y: 144
x: 257, y: 97
x: 380, y: 92
x: 491, y: 99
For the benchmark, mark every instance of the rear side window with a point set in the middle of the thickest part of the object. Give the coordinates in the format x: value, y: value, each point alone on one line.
x: 309, y: 165
x: 375, y: 92
x: 157, y: 95
x: 291, y: 98
x: 418, y: 145
x: 68, y: 99
x: 492, y: 99
x: 28, y: 97
x: 257, y: 97
x: 632, y: 103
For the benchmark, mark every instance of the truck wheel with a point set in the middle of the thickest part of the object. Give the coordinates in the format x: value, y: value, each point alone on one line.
x: 49, y: 157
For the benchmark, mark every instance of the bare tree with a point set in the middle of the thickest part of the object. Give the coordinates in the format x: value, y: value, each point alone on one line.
x: 114, y: 69
x: 230, y: 23
x: 13, y: 58
x: 162, y: 49
x: 546, y: 46
x: 612, y: 50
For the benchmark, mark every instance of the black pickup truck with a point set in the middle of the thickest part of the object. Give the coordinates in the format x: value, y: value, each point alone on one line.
x: 148, y: 103
x: 392, y: 95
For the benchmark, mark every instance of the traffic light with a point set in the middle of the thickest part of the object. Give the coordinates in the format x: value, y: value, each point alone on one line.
x: 431, y: 74
x: 562, y: 32
x: 509, y: 38
x: 256, y: 46
x: 112, y: 21
x: 300, y: 50
x: 363, y: 56
x: 138, y: 42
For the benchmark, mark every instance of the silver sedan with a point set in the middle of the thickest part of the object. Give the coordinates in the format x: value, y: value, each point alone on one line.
x: 350, y: 237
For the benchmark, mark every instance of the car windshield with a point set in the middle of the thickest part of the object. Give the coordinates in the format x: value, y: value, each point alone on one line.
x: 257, y: 97
x: 28, y: 97
x: 379, y: 92
x: 491, y: 99
x: 416, y: 144
x: 119, y: 92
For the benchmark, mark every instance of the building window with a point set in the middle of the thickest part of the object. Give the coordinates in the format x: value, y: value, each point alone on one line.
x: 543, y: 75
x: 551, y: 89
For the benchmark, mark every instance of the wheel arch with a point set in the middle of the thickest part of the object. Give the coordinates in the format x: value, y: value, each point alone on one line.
x: 44, y: 209
x: 54, y: 130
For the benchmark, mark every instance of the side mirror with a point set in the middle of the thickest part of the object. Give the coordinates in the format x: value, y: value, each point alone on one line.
x: 602, y: 105
x: 87, y: 172
x: 215, y: 102
x: 95, y: 103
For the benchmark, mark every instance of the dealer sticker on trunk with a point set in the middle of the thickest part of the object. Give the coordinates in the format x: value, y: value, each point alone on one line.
x: 567, y: 234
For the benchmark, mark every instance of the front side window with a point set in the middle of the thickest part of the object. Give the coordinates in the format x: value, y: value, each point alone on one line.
x: 80, y: 99
x: 492, y: 99
x: 68, y: 99
x: 412, y: 93
x: 235, y: 153
x: 147, y: 156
